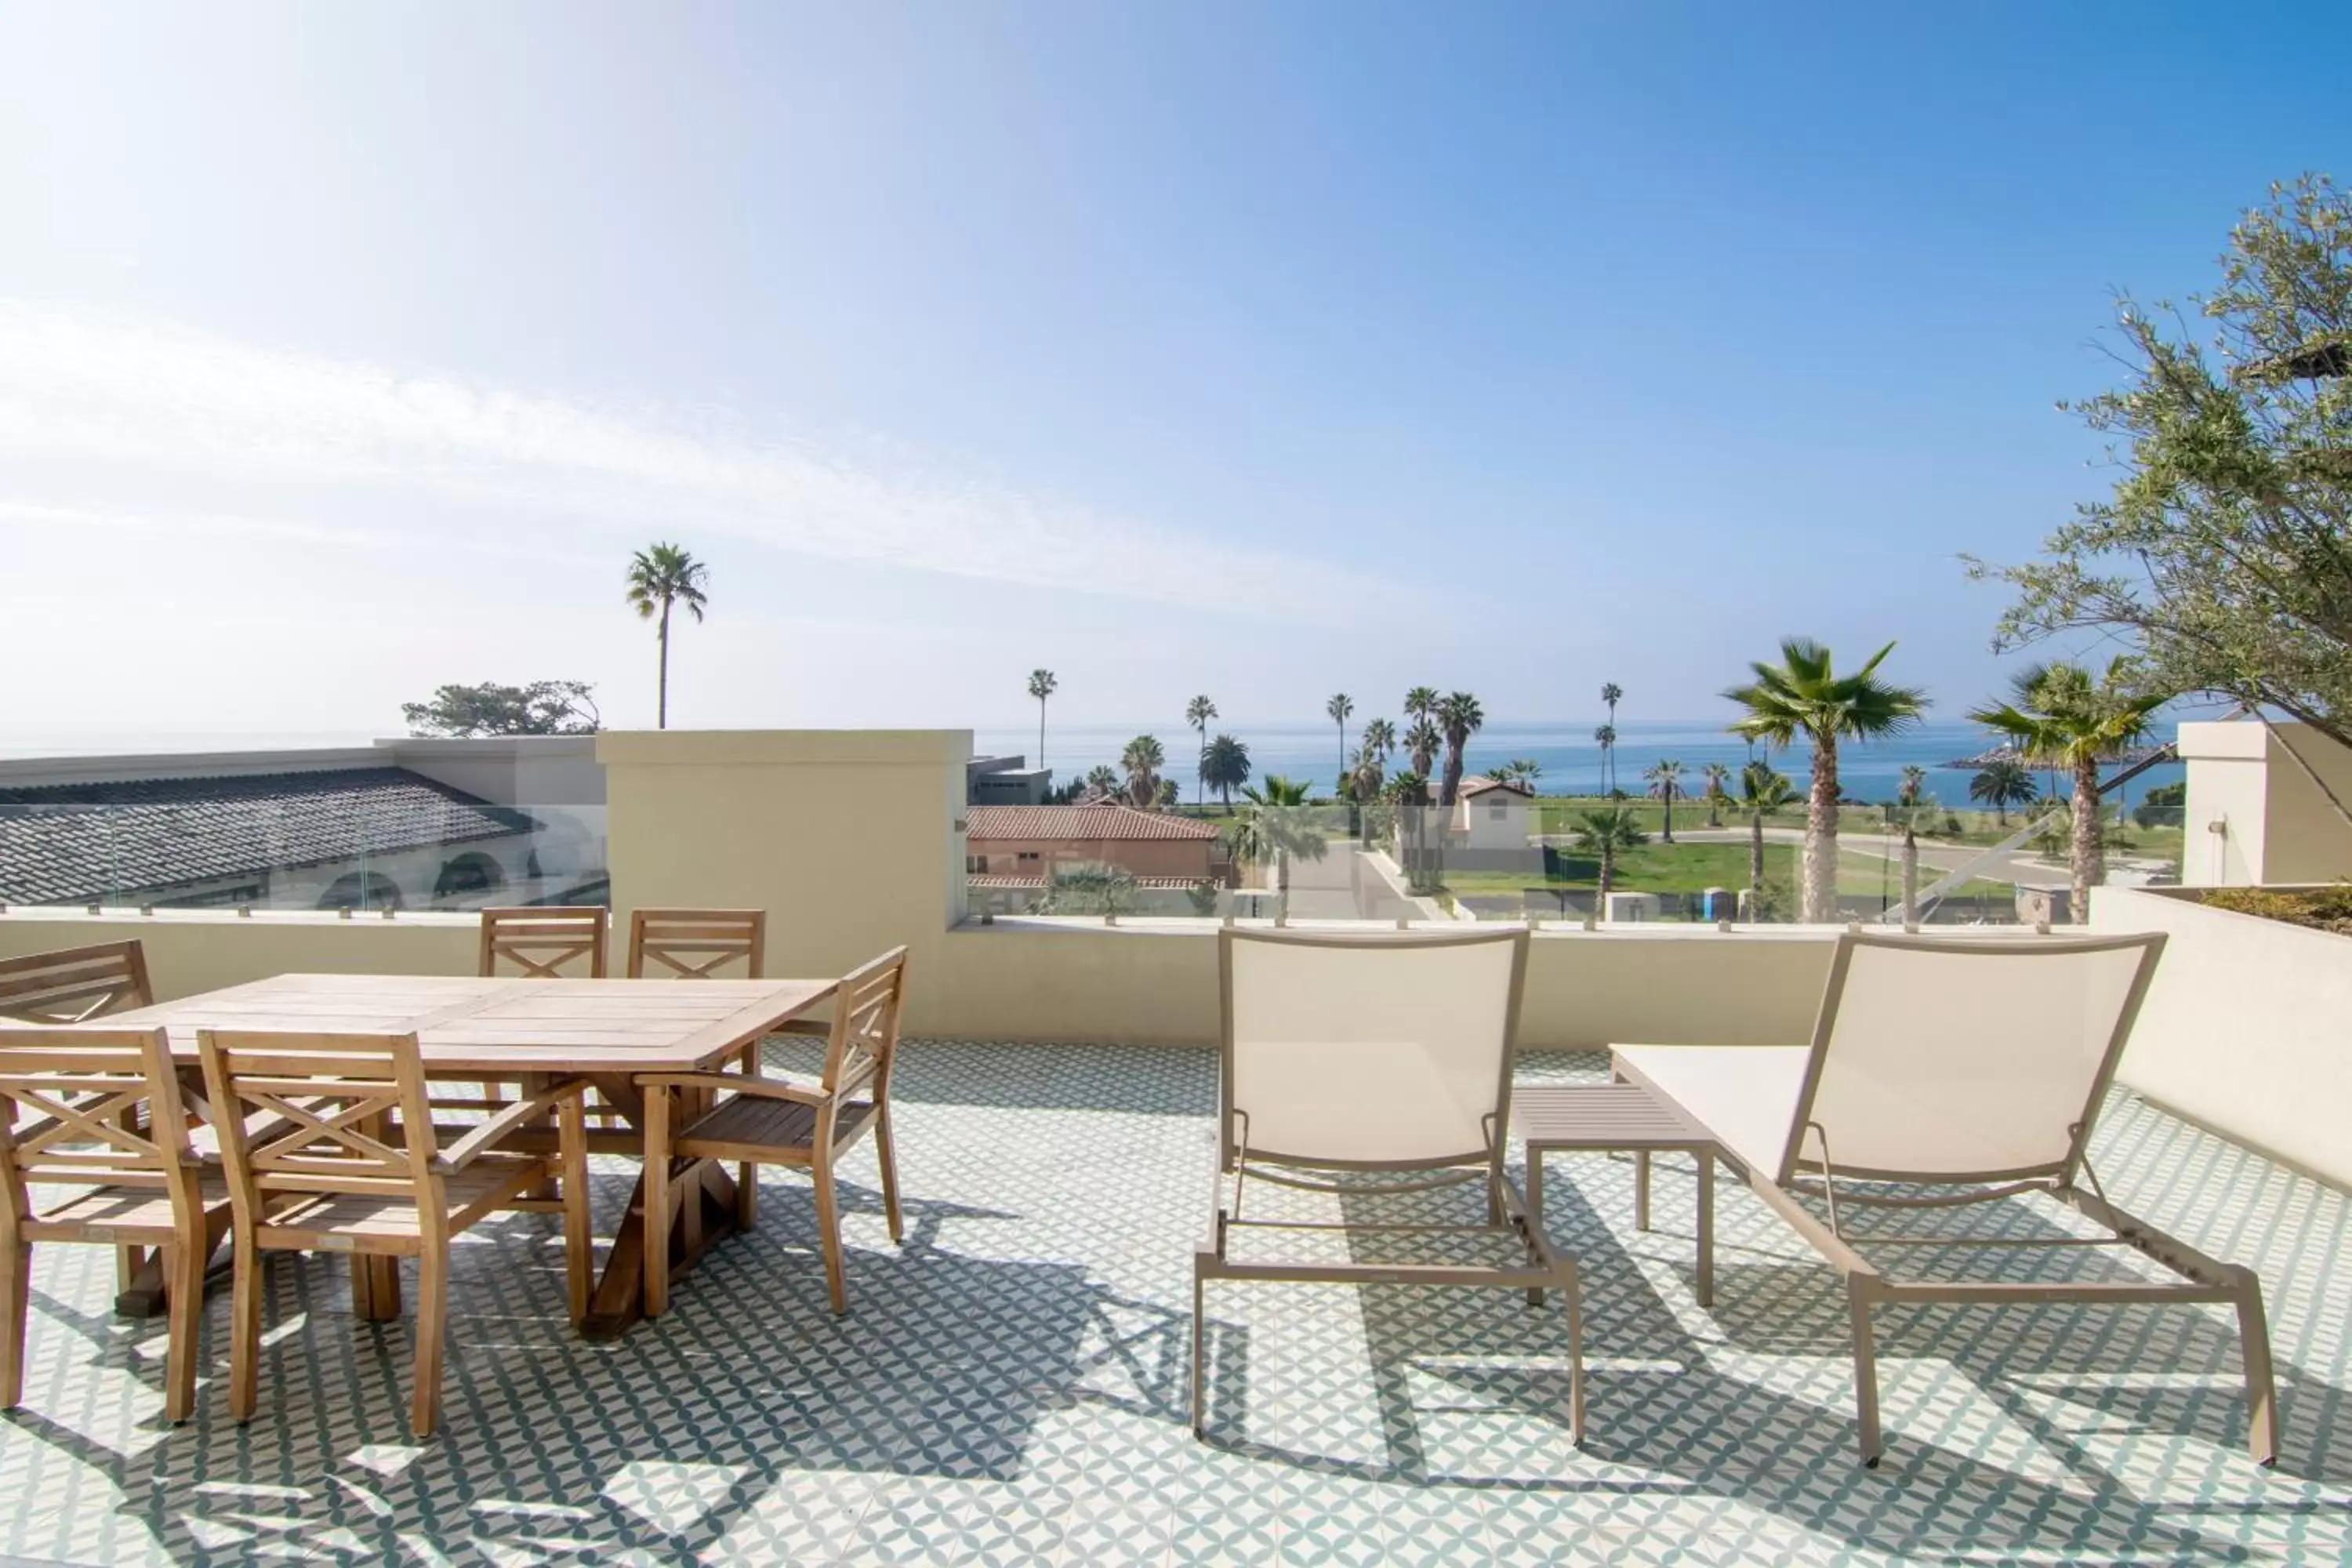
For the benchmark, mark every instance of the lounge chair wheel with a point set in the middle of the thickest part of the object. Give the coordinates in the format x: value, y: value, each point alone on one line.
x: 1871, y: 1463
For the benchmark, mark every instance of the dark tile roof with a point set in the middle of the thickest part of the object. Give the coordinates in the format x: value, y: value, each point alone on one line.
x: 986, y: 823
x: 79, y: 843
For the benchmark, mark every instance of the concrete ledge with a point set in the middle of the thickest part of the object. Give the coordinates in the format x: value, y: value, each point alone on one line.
x: 783, y: 748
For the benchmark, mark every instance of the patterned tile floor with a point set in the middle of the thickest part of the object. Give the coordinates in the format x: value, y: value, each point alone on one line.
x: 1008, y: 1387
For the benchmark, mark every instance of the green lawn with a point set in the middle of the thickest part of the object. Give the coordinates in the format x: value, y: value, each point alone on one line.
x: 1658, y: 867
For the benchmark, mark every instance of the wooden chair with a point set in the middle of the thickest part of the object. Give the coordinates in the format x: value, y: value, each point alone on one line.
x: 540, y: 940
x: 75, y: 985
x: 781, y: 1121
x: 98, y: 1110
x: 357, y: 1167
x: 694, y: 945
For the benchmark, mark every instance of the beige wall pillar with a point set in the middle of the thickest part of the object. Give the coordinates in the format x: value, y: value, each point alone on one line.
x: 2254, y: 816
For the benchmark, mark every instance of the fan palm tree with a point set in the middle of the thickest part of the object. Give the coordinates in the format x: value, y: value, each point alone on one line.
x: 1804, y: 695
x: 660, y: 577
x: 1913, y: 786
x: 1420, y: 702
x: 1141, y: 762
x: 1666, y: 780
x: 1102, y: 779
x: 2064, y: 716
x: 1274, y: 827
x: 1459, y: 716
x: 2003, y: 783
x: 1225, y: 767
x: 1716, y: 775
x: 1197, y: 713
x: 1380, y: 736
x: 1763, y: 794
x: 1364, y: 783
x: 1340, y: 708
x: 1611, y: 694
x: 1409, y: 796
x: 1604, y: 834
x: 1607, y: 737
x: 1042, y: 685
x: 1422, y: 743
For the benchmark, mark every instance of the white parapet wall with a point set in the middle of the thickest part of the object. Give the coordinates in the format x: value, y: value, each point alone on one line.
x: 2247, y: 1028
x: 2254, y: 815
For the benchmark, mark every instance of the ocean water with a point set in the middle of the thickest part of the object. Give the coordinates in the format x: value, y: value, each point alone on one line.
x: 1570, y: 758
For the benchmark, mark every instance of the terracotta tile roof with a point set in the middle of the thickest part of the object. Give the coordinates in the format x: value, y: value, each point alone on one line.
x: 1081, y: 823
x: 72, y: 843
x: 992, y: 880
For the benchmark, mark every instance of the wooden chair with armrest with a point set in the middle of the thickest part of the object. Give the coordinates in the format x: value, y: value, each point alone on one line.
x: 769, y: 1121
x: 75, y: 985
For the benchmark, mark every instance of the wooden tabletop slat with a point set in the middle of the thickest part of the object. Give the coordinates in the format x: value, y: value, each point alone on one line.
x: 508, y: 1024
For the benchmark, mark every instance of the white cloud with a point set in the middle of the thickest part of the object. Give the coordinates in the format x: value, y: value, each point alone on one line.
x: 136, y: 394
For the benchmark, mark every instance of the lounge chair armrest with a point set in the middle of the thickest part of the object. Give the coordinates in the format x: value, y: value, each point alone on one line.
x: 737, y: 1083
x: 499, y: 1127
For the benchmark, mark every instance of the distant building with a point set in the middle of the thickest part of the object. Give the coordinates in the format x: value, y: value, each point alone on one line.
x: 1490, y: 817
x: 1006, y: 781
x: 1027, y: 841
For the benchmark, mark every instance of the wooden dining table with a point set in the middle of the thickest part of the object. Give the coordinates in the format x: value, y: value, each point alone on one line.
x: 471, y: 1030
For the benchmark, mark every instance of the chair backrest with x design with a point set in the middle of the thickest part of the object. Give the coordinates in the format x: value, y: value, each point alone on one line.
x: 312, y: 1113
x: 864, y: 1039
x: 75, y: 985
x: 539, y: 943
x: 696, y: 944
x: 91, y: 1107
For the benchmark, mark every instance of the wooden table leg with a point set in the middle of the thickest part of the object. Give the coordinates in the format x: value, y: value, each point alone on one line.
x: 707, y: 1194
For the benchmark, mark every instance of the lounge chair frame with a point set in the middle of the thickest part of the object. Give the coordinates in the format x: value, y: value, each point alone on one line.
x: 1809, y: 1169
x: 1241, y: 1160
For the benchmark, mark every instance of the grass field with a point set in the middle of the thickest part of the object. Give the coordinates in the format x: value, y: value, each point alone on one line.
x: 1694, y: 868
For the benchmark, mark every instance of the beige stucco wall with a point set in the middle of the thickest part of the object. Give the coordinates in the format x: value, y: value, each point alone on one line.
x: 2247, y: 1027
x: 189, y: 952
x: 2274, y: 824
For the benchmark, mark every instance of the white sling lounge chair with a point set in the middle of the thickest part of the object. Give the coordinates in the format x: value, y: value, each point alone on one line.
x: 1946, y: 1072
x: 1356, y: 1064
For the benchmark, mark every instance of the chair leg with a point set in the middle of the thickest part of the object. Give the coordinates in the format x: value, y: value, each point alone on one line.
x: 245, y: 1329
x: 746, y: 1196
x: 183, y: 1268
x: 828, y: 1226
x: 1865, y: 1374
x: 886, y: 1155
x: 432, y: 1325
x: 2262, y: 1388
x: 17, y: 1302
x: 656, y: 1198
x: 579, y: 1238
x: 1641, y: 1189
x: 1574, y: 1292
x: 1200, y: 1351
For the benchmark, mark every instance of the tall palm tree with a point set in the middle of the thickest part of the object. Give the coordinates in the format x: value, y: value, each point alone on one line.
x: 1340, y: 708
x: 1716, y: 775
x: 1607, y: 737
x: 1459, y: 716
x: 1380, y: 736
x: 1042, y: 685
x: 1364, y: 782
x: 1763, y: 794
x: 1225, y: 767
x: 1611, y: 694
x: 1666, y: 780
x: 1197, y: 713
x: 1422, y: 743
x: 1102, y: 779
x: 1274, y: 827
x: 1804, y: 695
x: 1913, y: 786
x: 1420, y: 702
x: 1604, y: 833
x: 2064, y: 716
x: 1408, y: 795
x: 2003, y: 783
x: 661, y: 577
x: 1141, y: 762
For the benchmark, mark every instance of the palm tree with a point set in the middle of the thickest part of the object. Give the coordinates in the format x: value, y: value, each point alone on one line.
x: 1342, y: 708
x: 1804, y: 695
x: 1422, y: 743
x: 1420, y: 702
x: 1717, y: 775
x: 1364, y: 783
x: 1141, y: 762
x: 1604, y: 833
x: 2000, y: 783
x: 1409, y: 794
x: 1380, y: 736
x: 1225, y: 767
x: 1197, y: 713
x: 1914, y: 786
x: 1611, y: 693
x: 1523, y: 769
x: 1459, y: 716
x: 1274, y: 827
x: 1042, y: 685
x: 2064, y: 717
x: 1763, y: 794
x: 1607, y: 736
x: 660, y: 577
x: 1665, y: 780
x: 1102, y: 779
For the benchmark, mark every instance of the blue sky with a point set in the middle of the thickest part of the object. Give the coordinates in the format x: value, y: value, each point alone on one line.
x: 1258, y: 350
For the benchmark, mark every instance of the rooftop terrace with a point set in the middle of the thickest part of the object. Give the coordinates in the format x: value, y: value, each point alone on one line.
x: 1009, y: 1386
